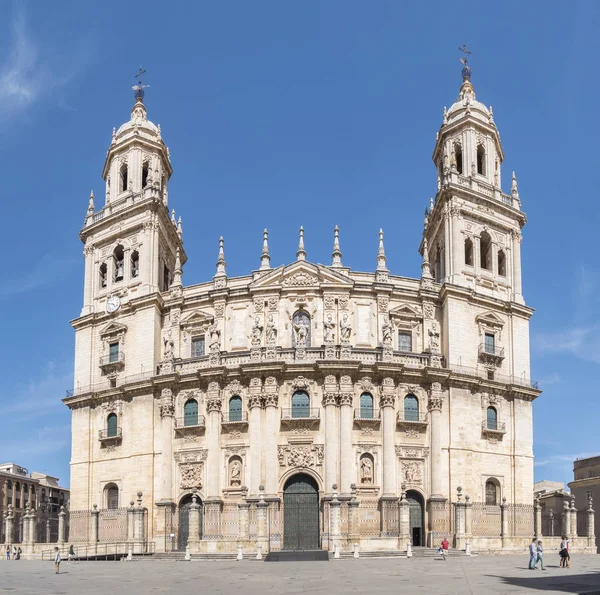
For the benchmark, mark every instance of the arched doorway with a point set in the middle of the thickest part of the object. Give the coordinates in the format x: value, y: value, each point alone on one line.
x: 301, y: 513
x: 183, y: 531
x: 417, y: 524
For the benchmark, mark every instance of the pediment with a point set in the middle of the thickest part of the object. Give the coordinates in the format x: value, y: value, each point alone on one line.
x: 489, y: 319
x: 302, y: 275
x: 113, y: 328
x: 405, y: 311
x: 196, y: 318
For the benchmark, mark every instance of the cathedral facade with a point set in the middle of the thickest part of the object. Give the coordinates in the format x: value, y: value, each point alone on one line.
x: 306, y: 406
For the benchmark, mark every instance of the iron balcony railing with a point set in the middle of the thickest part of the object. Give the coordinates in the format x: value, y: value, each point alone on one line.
x: 113, y: 435
x: 499, y: 427
x: 301, y: 413
x: 113, y: 359
x: 233, y: 417
x: 492, y: 350
x: 413, y: 417
x: 190, y: 422
x: 363, y: 413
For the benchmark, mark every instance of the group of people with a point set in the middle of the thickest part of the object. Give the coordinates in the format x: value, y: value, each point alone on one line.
x: 14, y: 554
x: 536, y: 554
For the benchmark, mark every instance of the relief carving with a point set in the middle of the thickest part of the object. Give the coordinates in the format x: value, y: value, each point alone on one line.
x: 191, y: 476
x: 300, y: 456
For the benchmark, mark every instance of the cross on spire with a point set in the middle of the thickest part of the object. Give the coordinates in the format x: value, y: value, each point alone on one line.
x: 466, y: 71
x: 138, y: 88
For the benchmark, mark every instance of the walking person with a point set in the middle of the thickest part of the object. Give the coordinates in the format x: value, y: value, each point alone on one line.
x: 565, y: 558
x: 532, y: 554
x: 71, y: 555
x: 14, y: 553
x: 8, y: 552
x: 444, y: 548
x: 57, y: 559
x: 540, y: 554
x: 19, y: 552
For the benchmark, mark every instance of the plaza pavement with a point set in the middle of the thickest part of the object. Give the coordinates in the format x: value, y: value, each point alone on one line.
x: 457, y: 576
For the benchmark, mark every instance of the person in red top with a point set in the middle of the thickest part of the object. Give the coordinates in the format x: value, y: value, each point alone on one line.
x: 444, y: 548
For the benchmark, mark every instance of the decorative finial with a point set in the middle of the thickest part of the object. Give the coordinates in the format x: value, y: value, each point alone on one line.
x: 466, y: 71
x: 91, y: 202
x: 445, y: 115
x: 381, y: 259
x: 221, y: 260
x: 177, y: 274
x: 431, y: 205
x: 425, y: 267
x: 179, y: 228
x: 265, y: 258
x: 301, y: 254
x: 138, y: 88
x: 514, y: 189
x: 336, y: 255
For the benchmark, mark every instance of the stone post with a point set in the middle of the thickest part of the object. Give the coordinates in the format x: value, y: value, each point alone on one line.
x: 468, y: 521
x: 31, y: 529
x: 334, y: 521
x: 194, y: 525
x: 566, y: 520
x: 353, y: 520
x: 25, y: 525
x: 261, y: 521
x: 48, y: 531
x: 94, y: 528
x: 387, y: 403
x: 9, y: 526
x: 404, y: 536
x: 139, y: 527
x: 573, y: 512
x: 243, y: 520
x: 130, y: 521
x: 537, y: 525
x: 459, y: 521
x: 504, y: 522
x: 551, y: 517
x: 62, y: 537
x: 591, y: 535
x: 20, y: 535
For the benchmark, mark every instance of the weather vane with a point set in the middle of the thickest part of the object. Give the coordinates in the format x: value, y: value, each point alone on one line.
x: 138, y: 89
x: 466, y: 71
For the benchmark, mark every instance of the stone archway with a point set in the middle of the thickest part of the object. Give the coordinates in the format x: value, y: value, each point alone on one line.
x: 301, y: 513
x: 183, y: 531
x: 416, y: 518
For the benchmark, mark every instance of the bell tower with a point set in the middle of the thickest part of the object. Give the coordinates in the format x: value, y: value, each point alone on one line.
x: 473, y: 229
x: 132, y: 243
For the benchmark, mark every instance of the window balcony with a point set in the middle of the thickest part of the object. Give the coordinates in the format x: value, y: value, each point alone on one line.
x: 234, y: 419
x: 301, y: 416
x: 112, y: 437
x: 189, y: 426
x: 412, y: 419
x: 491, y: 353
x: 367, y: 417
x: 112, y: 362
x: 493, y: 432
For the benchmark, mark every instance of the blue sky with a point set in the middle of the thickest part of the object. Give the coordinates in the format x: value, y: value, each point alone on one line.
x: 283, y: 114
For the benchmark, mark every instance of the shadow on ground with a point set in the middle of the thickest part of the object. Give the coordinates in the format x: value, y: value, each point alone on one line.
x: 588, y: 583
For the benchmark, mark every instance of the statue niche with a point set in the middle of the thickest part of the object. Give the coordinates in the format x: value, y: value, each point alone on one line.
x: 366, y: 469
x: 235, y: 472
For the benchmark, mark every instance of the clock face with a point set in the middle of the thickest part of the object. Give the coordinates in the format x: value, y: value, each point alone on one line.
x: 113, y: 304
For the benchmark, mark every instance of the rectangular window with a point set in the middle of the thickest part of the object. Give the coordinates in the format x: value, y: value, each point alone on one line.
x: 198, y: 346
x: 490, y: 374
x: 490, y: 343
x: 404, y: 341
x: 113, y: 353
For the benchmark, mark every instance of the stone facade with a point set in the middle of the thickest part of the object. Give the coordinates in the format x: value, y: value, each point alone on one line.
x: 585, y: 489
x: 394, y: 397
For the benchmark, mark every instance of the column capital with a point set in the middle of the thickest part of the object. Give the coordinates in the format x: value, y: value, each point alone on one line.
x: 255, y: 401
x: 346, y: 398
x: 214, y: 404
x: 387, y: 400
x: 330, y: 398
x: 271, y: 399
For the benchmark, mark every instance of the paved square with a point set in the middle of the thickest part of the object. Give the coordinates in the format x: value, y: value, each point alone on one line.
x: 477, y: 575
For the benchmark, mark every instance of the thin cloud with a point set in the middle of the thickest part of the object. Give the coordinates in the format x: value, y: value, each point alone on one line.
x: 563, y: 460
x: 47, y: 270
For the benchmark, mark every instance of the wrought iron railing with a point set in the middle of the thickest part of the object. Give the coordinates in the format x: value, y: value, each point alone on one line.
x: 112, y: 359
x: 301, y: 413
x: 492, y: 350
x: 415, y: 417
x: 232, y: 417
x: 364, y: 413
x: 190, y: 422
x: 104, y: 551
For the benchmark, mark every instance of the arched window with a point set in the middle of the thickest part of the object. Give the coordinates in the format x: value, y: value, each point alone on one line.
x: 119, y: 256
x: 103, y: 274
x: 501, y: 263
x: 235, y: 408
x: 124, y: 175
x: 366, y: 406
x: 300, y: 404
x: 491, y: 493
x: 166, y: 278
x: 190, y: 413
x: 411, y: 408
x: 469, y: 251
x: 112, y: 496
x: 485, y: 250
x: 481, y: 160
x: 301, y: 329
x: 459, y: 159
x: 144, y: 174
x: 111, y: 425
x: 492, y: 419
x: 135, y: 264
x: 439, y: 264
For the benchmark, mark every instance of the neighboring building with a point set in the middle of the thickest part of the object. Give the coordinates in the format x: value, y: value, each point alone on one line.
x: 586, y: 485
x: 306, y: 382
x: 18, y: 488
x: 546, y: 486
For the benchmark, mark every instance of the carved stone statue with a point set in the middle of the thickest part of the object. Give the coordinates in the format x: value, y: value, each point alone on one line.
x: 215, y: 338
x: 235, y: 474
x: 329, y: 326
x: 271, y: 331
x: 119, y: 269
x: 345, y: 329
x: 366, y: 470
x: 434, y: 336
x: 257, y: 330
x: 386, y: 332
x: 169, y: 346
x: 301, y: 330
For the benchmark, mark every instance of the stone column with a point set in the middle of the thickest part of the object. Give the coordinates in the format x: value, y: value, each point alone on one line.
x: 537, y: 525
x: 261, y: 521
x: 88, y: 286
x: 213, y: 431
x: 25, y: 525
x: 447, y: 243
x: 346, y: 420
x: 387, y: 403
x: 334, y: 523
x: 459, y: 521
x: 456, y: 240
x: 194, y: 526
x: 164, y: 466
x: 131, y: 521
x: 404, y: 536
x: 504, y: 522
x: 243, y: 520
x: 591, y: 535
x: 468, y: 519
x: 573, y: 512
x: 271, y: 431
x: 94, y: 520
x: 332, y: 443
x: 435, y: 403
x: 255, y: 402
x: 516, y: 265
x: 9, y: 526
x: 566, y: 520
x: 31, y: 528
x: 139, y: 526
x: 353, y: 518
x: 48, y: 531
x: 62, y: 536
